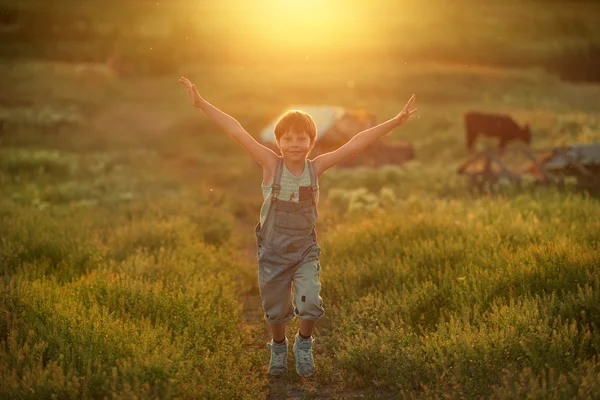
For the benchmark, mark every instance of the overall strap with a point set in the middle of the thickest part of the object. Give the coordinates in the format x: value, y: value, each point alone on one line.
x: 277, y: 180
x: 313, y: 180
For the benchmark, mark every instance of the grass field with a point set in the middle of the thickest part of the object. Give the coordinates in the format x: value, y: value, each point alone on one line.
x: 128, y: 265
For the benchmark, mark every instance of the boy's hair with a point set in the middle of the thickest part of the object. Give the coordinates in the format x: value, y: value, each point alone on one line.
x: 297, y: 120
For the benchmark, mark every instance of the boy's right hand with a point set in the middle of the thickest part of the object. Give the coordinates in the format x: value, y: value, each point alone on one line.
x: 192, y: 92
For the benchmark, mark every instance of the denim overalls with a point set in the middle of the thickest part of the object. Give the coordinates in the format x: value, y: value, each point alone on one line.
x: 288, y: 251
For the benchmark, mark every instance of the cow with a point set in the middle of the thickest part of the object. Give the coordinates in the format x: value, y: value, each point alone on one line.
x: 499, y: 126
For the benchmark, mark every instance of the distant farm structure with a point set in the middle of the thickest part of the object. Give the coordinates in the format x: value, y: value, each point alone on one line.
x: 550, y: 166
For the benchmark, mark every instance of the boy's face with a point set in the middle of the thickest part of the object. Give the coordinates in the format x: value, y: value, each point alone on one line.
x: 295, y: 144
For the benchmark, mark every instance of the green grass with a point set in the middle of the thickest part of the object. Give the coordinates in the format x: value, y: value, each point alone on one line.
x: 455, y: 297
x: 127, y: 259
x: 134, y: 304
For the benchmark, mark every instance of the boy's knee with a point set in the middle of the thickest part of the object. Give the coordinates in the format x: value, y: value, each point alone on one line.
x: 277, y: 311
x: 309, y: 306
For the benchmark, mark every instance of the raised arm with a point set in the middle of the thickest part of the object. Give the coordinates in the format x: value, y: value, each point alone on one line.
x: 362, y: 140
x: 230, y: 125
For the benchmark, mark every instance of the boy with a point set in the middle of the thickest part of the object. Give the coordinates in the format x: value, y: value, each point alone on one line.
x: 287, y: 247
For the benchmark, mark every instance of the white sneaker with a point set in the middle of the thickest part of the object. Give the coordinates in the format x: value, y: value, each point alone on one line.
x: 305, y: 366
x: 279, y: 354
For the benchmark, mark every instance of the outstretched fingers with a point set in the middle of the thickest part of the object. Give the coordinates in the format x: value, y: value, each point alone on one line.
x: 409, y: 103
x: 186, y: 82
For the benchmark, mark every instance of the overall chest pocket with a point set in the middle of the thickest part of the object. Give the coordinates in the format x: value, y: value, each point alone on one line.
x: 304, y: 193
x: 296, y: 222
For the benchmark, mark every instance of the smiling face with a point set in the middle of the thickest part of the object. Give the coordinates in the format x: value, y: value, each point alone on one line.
x: 295, y: 144
x: 295, y: 133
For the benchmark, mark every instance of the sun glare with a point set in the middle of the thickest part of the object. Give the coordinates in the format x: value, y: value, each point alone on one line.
x: 305, y: 24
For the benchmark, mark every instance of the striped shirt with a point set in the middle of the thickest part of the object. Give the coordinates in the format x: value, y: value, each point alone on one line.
x: 289, y: 190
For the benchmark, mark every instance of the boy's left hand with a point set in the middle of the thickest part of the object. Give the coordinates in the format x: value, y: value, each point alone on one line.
x: 406, y: 111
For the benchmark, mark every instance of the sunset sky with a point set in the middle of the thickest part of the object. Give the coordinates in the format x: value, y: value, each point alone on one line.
x: 310, y: 25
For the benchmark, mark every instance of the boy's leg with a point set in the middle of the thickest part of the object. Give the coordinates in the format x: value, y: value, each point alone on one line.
x: 306, y: 327
x: 276, y: 294
x: 309, y: 308
x: 307, y: 288
x: 280, y: 315
x: 277, y: 299
x: 278, y: 332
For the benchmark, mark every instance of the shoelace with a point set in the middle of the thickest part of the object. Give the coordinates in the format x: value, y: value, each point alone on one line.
x: 277, y: 358
x: 305, y: 356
